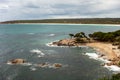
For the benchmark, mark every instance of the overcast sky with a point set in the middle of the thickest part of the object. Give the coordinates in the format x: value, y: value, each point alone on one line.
x: 47, y: 9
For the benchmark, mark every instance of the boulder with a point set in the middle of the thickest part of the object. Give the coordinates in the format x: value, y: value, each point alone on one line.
x: 17, y: 61
x: 109, y: 64
x: 43, y: 65
x: 103, y: 64
x: 57, y: 65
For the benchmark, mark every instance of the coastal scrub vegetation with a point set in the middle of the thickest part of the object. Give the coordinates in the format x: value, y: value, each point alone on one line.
x: 112, y: 37
x: 107, y: 36
x: 71, y: 35
x: 79, y: 37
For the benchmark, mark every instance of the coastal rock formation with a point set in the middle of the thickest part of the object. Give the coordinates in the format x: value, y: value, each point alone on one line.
x: 65, y: 42
x: 43, y: 65
x: 57, y: 65
x: 71, y: 42
x: 17, y: 61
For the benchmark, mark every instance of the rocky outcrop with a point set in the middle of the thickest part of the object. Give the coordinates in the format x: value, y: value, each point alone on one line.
x: 65, y: 42
x: 17, y: 61
x: 57, y: 65
x: 70, y: 42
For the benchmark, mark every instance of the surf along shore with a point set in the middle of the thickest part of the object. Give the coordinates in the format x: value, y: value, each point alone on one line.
x: 108, y: 47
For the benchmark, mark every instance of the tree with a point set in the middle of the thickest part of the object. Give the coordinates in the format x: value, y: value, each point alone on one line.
x: 108, y: 37
x: 79, y: 40
x: 97, y: 35
x: 71, y: 35
x: 80, y: 35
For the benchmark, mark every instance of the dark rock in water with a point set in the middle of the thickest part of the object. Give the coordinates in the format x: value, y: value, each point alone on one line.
x: 55, y: 43
x: 43, y: 65
x: 103, y: 64
x: 17, y: 61
x: 57, y: 65
x: 109, y: 64
x: 101, y: 55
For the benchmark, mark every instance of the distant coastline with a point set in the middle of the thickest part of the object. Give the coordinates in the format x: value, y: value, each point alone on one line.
x: 68, y: 21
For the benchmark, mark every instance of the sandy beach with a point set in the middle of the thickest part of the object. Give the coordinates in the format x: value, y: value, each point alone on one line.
x: 110, y: 51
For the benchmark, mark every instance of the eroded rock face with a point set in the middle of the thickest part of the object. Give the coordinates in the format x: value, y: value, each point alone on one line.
x: 17, y: 61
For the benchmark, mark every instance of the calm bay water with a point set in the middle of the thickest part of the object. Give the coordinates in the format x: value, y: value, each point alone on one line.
x: 18, y: 40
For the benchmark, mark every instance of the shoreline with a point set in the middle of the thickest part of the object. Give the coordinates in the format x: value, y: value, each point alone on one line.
x: 67, y: 24
x: 108, y: 54
x: 106, y: 49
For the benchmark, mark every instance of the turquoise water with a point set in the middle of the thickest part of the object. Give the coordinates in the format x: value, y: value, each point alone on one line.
x: 18, y: 40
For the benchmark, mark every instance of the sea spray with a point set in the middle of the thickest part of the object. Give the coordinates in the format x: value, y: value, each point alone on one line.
x: 37, y: 51
x: 113, y: 68
x: 51, y: 35
x: 96, y: 56
x: 53, y: 45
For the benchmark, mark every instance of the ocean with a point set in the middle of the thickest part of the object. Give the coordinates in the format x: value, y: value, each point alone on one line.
x: 29, y: 42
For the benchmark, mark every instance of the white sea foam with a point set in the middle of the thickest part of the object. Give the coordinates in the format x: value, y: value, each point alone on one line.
x: 95, y: 56
x: 9, y: 63
x: 51, y: 35
x: 40, y: 56
x: 37, y: 51
x: 49, y: 65
x: 51, y: 45
x: 92, y: 55
x: 113, y: 68
x: 26, y: 64
x: 31, y: 33
x: 23, y: 64
x: 33, y: 69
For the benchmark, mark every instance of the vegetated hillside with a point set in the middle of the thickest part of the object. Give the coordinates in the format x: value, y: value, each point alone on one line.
x: 76, y: 21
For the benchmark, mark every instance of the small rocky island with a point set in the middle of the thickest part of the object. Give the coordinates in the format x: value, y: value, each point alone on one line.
x: 16, y: 61
x: 108, y: 44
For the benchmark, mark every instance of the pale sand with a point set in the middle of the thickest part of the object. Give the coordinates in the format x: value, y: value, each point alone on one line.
x: 111, y: 52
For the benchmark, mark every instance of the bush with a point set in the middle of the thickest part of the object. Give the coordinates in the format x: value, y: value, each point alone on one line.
x: 79, y: 40
x: 107, y: 37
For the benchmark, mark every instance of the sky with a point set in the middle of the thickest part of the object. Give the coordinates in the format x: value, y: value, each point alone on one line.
x: 51, y: 9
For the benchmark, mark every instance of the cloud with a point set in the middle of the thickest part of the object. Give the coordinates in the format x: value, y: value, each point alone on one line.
x: 42, y: 9
x: 3, y: 6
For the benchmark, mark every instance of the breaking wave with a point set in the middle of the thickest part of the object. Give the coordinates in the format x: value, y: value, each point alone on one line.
x: 51, y: 35
x: 52, y: 45
x: 96, y: 56
x: 37, y: 51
